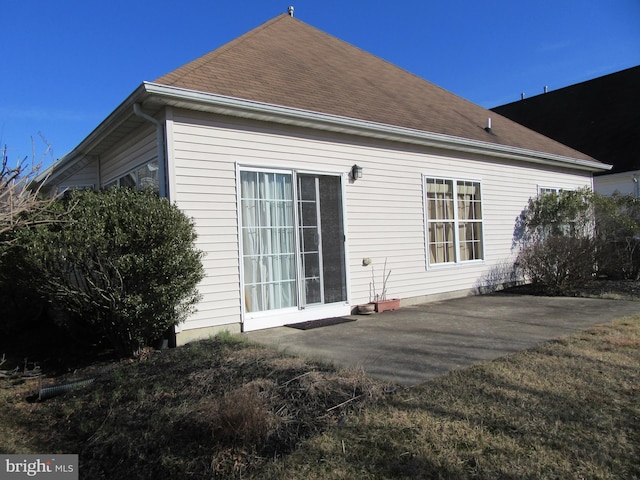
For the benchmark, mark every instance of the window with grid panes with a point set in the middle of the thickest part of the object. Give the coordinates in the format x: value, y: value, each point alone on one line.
x: 454, y: 220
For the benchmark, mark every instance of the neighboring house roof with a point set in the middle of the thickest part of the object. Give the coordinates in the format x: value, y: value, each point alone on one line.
x: 600, y: 117
x: 288, y: 72
x: 287, y: 62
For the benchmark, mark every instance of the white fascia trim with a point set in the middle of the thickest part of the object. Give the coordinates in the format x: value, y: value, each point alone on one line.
x: 106, y: 126
x: 305, y: 118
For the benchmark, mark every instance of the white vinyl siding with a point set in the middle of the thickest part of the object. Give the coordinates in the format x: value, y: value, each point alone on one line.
x: 626, y: 183
x: 139, y: 149
x: 385, y: 211
x: 86, y: 177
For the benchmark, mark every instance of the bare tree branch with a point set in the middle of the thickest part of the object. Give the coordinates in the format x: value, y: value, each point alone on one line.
x: 19, y: 194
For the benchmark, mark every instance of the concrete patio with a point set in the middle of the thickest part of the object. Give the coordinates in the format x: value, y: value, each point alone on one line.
x: 417, y: 343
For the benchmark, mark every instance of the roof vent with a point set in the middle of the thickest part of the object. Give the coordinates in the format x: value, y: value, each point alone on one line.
x: 488, y: 127
x: 522, y: 96
x: 546, y: 89
x: 290, y: 10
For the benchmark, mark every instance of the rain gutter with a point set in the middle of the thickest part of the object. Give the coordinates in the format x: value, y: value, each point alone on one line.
x: 186, y: 98
x: 153, y: 93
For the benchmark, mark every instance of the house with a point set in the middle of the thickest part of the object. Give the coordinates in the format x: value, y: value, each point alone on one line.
x: 307, y: 163
x: 600, y: 117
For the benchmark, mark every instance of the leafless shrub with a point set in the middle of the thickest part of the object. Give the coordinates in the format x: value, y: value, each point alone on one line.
x: 20, y: 194
x: 558, y: 264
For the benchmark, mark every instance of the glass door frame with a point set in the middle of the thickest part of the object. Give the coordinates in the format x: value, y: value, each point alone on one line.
x: 301, y: 307
x: 322, y: 239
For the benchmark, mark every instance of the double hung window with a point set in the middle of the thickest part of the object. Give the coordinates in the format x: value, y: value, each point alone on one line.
x: 454, y: 220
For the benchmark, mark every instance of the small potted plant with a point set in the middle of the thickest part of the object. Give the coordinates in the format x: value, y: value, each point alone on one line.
x: 366, y: 309
x: 379, y: 300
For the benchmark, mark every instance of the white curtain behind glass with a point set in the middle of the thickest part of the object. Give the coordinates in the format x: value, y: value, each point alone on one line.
x: 470, y: 220
x: 440, y: 220
x: 268, y: 240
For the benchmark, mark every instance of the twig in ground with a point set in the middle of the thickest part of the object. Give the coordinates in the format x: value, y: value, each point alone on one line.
x: 344, y: 403
x: 9, y: 373
x: 15, y: 373
x: 296, y: 378
x: 95, y: 434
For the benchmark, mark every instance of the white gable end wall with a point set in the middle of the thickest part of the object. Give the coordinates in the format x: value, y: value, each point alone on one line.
x: 384, y: 209
x: 86, y: 177
x: 625, y: 183
x: 139, y: 148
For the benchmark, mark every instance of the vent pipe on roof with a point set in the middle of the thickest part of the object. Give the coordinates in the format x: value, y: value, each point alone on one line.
x: 522, y: 96
x: 290, y: 10
x: 546, y: 89
x: 488, y: 127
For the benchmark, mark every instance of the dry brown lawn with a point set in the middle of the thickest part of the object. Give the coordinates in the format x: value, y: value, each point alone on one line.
x: 567, y: 409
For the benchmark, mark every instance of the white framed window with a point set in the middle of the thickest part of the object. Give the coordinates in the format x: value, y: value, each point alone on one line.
x: 455, y: 229
x: 549, y: 190
x: 142, y: 177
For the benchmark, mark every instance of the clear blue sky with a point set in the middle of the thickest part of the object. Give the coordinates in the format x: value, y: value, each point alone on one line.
x: 66, y: 64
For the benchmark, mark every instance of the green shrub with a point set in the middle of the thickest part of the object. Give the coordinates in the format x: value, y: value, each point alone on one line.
x: 20, y: 306
x: 21, y: 205
x: 569, y: 213
x: 618, y: 236
x: 122, y: 264
x: 555, y: 234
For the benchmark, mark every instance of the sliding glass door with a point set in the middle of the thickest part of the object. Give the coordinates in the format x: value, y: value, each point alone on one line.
x: 292, y: 239
x: 321, y: 239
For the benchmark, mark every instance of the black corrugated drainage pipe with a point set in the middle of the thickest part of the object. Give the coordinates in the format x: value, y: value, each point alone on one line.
x: 55, y: 390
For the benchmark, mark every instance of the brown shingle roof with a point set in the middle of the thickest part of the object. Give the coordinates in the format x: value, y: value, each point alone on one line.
x: 287, y: 62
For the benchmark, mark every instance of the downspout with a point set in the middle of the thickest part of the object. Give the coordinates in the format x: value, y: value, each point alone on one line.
x: 162, y: 157
x: 162, y: 179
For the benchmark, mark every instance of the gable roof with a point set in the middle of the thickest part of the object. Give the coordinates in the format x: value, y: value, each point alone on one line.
x: 289, y: 63
x: 600, y: 117
x: 288, y: 72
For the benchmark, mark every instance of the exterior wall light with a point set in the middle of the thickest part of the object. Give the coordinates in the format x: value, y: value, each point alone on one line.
x: 356, y: 172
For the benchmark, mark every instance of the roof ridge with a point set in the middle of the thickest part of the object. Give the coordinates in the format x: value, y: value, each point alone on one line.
x: 206, y: 58
x: 297, y: 65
